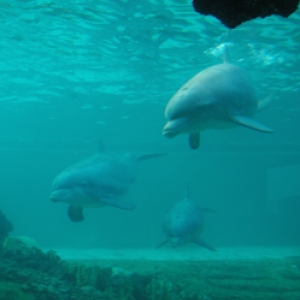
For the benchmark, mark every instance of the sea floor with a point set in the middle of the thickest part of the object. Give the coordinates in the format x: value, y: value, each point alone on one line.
x: 187, y: 273
x: 244, y: 273
x: 180, y: 254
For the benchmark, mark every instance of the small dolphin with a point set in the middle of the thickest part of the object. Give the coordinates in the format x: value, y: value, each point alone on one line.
x: 218, y: 97
x: 184, y: 223
x: 97, y: 181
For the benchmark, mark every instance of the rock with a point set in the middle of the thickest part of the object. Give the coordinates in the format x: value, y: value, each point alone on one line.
x: 234, y: 12
x: 5, y: 227
x: 29, y: 242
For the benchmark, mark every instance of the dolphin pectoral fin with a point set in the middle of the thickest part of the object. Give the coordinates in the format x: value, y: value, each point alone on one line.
x: 117, y: 203
x: 250, y: 123
x: 75, y: 213
x: 205, y: 245
x: 161, y: 244
x: 194, y: 140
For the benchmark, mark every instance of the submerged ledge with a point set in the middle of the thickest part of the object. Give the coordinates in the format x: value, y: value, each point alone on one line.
x: 245, y: 273
x: 190, y: 273
x: 180, y: 254
x: 232, y: 13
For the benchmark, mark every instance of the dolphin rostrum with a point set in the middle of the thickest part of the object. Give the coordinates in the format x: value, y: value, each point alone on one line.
x: 218, y: 97
x: 184, y: 223
x: 97, y: 181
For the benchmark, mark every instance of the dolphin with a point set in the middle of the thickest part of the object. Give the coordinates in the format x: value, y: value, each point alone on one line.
x: 184, y: 223
x: 97, y: 181
x: 218, y: 97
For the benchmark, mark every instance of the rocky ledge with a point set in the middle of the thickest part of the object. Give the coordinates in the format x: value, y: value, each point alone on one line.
x: 234, y: 12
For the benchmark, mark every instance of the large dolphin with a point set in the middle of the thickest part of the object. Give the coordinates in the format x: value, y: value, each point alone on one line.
x: 184, y: 223
x: 218, y: 97
x: 97, y: 181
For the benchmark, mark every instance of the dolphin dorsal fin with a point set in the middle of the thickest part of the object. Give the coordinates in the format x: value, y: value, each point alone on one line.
x: 226, y: 58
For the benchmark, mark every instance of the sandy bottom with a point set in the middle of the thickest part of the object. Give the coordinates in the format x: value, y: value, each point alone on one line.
x: 180, y: 254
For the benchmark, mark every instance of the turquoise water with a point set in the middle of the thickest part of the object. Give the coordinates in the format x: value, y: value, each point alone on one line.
x: 74, y: 71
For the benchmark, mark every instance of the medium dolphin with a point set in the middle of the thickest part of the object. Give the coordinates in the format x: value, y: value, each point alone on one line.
x: 97, y: 181
x: 184, y: 223
x: 218, y: 97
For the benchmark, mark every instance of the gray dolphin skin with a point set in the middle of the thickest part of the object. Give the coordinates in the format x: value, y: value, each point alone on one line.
x: 97, y: 181
x: 184, y: 223
x: 219, y: 97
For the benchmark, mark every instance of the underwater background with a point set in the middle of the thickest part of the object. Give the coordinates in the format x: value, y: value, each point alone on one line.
x: 74, y: 72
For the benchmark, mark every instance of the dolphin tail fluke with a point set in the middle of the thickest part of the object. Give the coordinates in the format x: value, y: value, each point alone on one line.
x: 194, y: 140
x: 150, y: 156
x: 250, y: 123
x: 75, y: 213
x: 161, y: 244
x: 205, y: 245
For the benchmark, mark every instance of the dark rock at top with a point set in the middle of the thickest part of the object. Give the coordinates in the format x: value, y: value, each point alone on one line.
x: 234, y: 12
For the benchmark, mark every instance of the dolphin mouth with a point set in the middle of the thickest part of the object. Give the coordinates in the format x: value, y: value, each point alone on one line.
x: 175, y: 127
x: 53, y: 197
x: 171, y: 129
x: 57, y: 195
x: 169, y: 133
